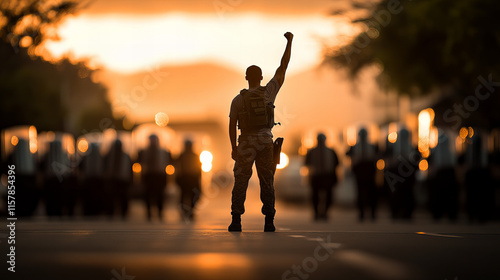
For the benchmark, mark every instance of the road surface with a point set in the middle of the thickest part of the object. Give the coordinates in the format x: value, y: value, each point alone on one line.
x: 341, y: 248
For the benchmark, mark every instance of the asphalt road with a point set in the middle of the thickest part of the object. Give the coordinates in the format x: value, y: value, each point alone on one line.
x: 300, y: 249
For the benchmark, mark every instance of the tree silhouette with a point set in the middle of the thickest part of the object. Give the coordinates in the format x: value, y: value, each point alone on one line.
x: 50, y: 95
x: 429, y: 43
x: 428, y: 46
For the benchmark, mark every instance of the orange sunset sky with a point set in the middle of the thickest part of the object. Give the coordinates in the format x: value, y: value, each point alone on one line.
x: 187, y: 58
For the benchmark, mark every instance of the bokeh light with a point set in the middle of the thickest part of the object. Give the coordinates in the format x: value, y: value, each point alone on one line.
x: 83, y: 145
x: 425, y: 118
x: 161, y: 119
x: 463, y: 132
x: 206, y: 158
x: 393, y: 133
x: 423, y: 165
x: 393, y: 137
x: 471, y: 132
x: 380, y: 164
x: 170, y: 169
x: 136, y: 167
x: 14, y: 140
x: 351, y: 136
x: 283, y: 161
x: 32, y: 134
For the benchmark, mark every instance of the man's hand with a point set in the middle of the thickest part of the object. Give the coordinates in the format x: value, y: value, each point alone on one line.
x: 234, y: 153
x: 289, y: 36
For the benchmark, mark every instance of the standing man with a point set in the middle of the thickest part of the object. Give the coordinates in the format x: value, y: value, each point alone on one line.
x: 188, y: 178
x: 364, y: 166
x: 253, y: 111
x: 154, y: 159
x: 322, y: 163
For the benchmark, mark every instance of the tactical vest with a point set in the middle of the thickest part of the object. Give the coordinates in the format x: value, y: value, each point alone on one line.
x: 256, y: 114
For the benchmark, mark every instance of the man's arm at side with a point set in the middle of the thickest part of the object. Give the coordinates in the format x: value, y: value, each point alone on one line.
x: 232, y: 137
x: 280, y: 72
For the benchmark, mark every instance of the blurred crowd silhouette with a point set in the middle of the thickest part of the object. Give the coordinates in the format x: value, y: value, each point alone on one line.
x: 447, y: 179
x: 458, y: 175
x: 99, y: 184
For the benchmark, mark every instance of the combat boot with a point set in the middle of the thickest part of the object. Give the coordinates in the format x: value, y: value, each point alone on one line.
x: 269, y: 224
x: 235, y: 224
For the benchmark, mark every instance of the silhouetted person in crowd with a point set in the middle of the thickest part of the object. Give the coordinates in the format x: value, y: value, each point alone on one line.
x: 322, y: 163
x: 363, y: 161
x: 188, y: 178
x: 56, y: 167
x: 154, y: 160
x: 400, y: 176
x: 443, y: 186
x: 92, y: 175
x: 253, y: 111
x: 478, y: 184
x: 119, y: 177
x: 71, y: 187
x: 24, y: 166
x: 495, y: 169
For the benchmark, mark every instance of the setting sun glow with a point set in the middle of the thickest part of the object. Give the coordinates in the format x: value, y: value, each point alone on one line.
x: 127, y: 43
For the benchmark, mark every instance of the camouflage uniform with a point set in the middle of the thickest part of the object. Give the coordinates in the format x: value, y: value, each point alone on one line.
x: 254, y: 146
x: 260, y: 150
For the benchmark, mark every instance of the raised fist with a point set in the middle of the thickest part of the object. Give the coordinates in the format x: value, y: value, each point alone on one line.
x: 289, y: 36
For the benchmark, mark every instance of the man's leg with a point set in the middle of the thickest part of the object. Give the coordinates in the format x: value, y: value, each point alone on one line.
x: 329, y: 199
x: 315, y: 197
x: 242, y: 173
x: 265, y: 170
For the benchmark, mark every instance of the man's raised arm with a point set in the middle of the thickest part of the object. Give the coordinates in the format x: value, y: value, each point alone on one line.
x: 280, y: 72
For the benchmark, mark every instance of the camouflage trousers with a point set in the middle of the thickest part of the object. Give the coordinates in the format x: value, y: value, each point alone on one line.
x: 258, y: 149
